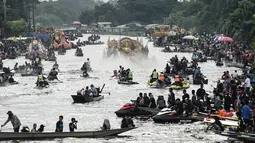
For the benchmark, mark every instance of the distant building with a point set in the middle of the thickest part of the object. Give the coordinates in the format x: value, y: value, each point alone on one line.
x: 104, y: 25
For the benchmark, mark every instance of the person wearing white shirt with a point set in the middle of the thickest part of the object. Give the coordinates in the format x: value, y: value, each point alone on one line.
x: 247, y: 85
x: 235, y: 74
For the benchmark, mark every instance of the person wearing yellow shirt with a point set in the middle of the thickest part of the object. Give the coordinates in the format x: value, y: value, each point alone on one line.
x: 154, y: 76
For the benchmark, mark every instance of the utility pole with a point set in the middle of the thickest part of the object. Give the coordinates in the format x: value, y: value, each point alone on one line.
x: 29, y: 16
x: 33, y: 10
x: 4, y: 1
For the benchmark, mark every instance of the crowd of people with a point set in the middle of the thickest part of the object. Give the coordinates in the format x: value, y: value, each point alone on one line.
x: 125, y: 123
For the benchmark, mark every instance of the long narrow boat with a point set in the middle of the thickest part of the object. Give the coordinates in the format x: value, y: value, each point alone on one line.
x: 83, y: 99
x: 245, y: 137
x: 51, y: 135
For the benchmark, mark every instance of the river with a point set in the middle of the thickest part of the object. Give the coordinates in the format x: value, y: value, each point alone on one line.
x: 44, y: 106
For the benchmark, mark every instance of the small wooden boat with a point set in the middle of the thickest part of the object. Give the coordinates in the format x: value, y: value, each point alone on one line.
x: 89, y: 77
x: 29, y: 74
x: 84, y: 99
x: 79, y: 54
x: 127, y: 82
x: 52, y: 58
x: 7, y: 83
x: 51, y: 135
x: 242, y: 136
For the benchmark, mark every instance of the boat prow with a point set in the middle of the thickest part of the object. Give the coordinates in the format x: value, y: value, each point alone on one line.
x: 51, y: 135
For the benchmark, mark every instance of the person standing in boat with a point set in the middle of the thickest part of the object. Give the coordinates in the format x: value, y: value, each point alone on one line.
x: 73, y: 125
x: 59, y: 125
x: 34, y: 128
x: 94, y: 91
x: 14, y: 120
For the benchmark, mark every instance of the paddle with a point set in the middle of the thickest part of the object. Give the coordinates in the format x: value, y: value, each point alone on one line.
x: 106, y: 93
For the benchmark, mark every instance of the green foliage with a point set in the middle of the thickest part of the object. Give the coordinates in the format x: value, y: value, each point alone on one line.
x: 17, y: 27
x: 124, y: 11
x: 60, y: 12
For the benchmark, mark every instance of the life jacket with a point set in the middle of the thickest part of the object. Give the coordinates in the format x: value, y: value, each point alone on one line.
x: 130, y: 75
x: 155, y: 75
x: 177, y: 78
x: 162, y: 77
x: 37, y: 60
x: 223, y: 113
x: 40, y: 77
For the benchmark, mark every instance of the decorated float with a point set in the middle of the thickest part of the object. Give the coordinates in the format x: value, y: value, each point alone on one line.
x: 61, y: 41
x: 126, y: 47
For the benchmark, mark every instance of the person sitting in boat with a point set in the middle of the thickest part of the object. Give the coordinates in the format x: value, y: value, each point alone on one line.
x: 154, y: 76
x: 161, y: 80
x: 41, y: 129
x: 73, y: 125
x: 178, y: 107
x: 80, y: 92
x: 152, y: 101
x: 16, y: 67
x: 11, y: 80
x: 37, y: 61
x: 25, y: 129
x: 129, y: 75
x: 53, y: 75
x: 14, y: 120
x: 177, y: 80
x: 127, y: 123
x: 41, y: 80
x: 87, y: 91
x: 94, y: 91
x: 161, y: 102
x: 106, y: 125
x: 197, y: 72
x: 167, y: 69
x: 187, y: 107
x: 84, y: 66
x: 88, y: 63
x: 56, y: 66
x: 34, y: 130
x: 217, y: 125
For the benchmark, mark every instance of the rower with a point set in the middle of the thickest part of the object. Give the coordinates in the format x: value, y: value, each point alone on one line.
x: 53, y: 74
x: 94, y: 91
x: 56, y: 66
x: 106, y: 125
x: 41, y: 80
x: 37, y: 61
x: 127, y: 122
x: 14, y: 120
x: 84, y: 66
x: 154, y: 76
x: 130, y: 75
x: 11, y: 80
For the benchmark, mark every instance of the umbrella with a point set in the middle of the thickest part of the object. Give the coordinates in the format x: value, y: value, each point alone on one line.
x: 225, y: 39
x: 76, y: 23
x: 189, y: 37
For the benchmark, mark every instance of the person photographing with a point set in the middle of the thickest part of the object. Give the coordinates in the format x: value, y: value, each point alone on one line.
x: 73, y: 125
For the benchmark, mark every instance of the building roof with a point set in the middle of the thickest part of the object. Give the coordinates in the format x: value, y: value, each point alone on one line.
x: 104, y: 23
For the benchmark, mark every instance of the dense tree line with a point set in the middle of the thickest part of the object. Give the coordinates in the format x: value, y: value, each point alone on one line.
x: 17, y: 16
x: 234, y: 18
x: 55, y: 13
x: 123, y: 11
